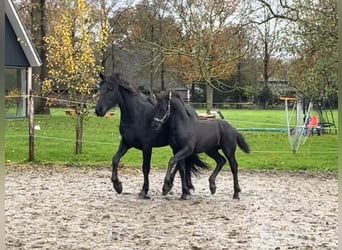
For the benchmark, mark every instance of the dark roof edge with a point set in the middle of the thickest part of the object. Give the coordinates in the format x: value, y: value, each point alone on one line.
x: 22, y: 36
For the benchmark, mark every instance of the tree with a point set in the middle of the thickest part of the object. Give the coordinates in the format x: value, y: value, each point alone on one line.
x: 311, y: 36
x: 143, y: 30
x: 314, y: 69
x: 209, y: 48
x: 72, y: 45
x: 266, y: 34
x: 34, y: 14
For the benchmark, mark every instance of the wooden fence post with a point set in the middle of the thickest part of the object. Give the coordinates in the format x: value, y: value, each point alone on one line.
x: 31, y: 126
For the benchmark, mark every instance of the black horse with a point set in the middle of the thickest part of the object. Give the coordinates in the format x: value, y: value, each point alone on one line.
x: 191, y: 136
x: 135, y: 128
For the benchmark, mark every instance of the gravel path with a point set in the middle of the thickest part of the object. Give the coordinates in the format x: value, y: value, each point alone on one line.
x: 66, y: 208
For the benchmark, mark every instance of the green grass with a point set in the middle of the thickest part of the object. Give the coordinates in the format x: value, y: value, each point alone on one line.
x: 54, y: 143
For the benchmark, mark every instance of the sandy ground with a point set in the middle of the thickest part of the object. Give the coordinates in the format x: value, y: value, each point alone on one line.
x: 67, y: 208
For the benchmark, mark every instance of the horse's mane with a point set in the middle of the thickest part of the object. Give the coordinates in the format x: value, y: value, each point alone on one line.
x: 178, y: 102
x: 129, y: 86
x: 166, y: 95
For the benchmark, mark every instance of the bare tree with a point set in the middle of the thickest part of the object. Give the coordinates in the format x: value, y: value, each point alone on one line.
x: 209, y: 44
x: 311, y: 36
x: 266, y: 34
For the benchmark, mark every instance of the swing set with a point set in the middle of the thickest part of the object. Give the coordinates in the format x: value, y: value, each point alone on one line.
x: 301, y: 124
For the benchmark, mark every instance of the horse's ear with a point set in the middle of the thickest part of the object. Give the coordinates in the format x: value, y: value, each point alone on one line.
x: 101, y: 75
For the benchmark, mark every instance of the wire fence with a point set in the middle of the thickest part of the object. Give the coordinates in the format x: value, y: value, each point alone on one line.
x: 253, y: 124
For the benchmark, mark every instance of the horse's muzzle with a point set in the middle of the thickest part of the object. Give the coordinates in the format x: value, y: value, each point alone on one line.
x: 100, y: 112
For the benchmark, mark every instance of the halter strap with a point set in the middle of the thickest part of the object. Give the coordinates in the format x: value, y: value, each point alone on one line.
x: 168, y: 111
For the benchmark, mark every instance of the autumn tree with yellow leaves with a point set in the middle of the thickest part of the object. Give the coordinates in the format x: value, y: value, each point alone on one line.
x: 76, y: 38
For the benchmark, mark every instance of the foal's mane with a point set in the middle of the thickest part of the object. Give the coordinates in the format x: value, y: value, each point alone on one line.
x: 176, y: 101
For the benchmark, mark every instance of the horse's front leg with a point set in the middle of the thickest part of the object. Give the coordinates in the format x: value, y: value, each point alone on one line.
x: 170, y: 174
x: 147, y: 153
x: 186, y: 180
x: 175, y: 170
x: 168, y: 181
x: 115, y: 164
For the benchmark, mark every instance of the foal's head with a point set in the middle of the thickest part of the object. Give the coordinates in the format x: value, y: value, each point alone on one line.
x: 110, y: 93
x: 162, y: 110
x: 167, y: 102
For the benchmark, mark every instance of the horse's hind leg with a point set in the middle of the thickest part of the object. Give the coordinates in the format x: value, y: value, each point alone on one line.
x: 220, y: 161
x: 183, y: 173
x: 187, y: 167
x: 115, y: 164
x: 234, y: 168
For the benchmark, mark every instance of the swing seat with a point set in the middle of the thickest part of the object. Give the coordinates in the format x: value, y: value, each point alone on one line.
x: 314, y: 126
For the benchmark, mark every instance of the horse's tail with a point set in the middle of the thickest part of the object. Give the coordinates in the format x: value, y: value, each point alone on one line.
x: 195, y: 164
x: 242, y: 143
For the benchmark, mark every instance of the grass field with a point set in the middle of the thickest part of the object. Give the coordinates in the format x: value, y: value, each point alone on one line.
x: 54, y: 143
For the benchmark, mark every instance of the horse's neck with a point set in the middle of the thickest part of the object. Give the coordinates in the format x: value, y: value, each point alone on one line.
x: 179, y: 117
x: 131, y: 107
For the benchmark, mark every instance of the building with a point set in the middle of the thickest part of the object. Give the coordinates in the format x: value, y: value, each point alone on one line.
x: 281, y: 87
x: 20, y: 58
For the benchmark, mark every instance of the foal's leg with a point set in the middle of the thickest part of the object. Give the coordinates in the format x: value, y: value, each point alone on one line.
x: 183, y: 173
x: 230, y: 154
x: 220, y: 161
x: 168, y: 180
x: 146, y: 170
x: 115, y: 164
x: 187, y: 176
x: 234, y: 168
x: 180, y: 155
x: 187, y: 166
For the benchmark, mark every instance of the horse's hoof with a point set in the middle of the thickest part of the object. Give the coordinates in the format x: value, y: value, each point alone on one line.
x: 166, y: 189
x: 191, y: 187
x: 236, y: 196
x: 185, y: 196
x: 143, y: 196
x: 117, y: 186
x: 213, y: 189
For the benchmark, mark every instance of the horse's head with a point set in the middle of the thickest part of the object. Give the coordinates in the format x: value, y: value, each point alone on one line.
x: 109, y: 94
x: 162, y: 110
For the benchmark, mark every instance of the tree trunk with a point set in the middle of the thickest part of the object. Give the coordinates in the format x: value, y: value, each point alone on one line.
x: 210, y: 94
x: 266, y: 64
x: 79, y: 119
x: 38, y: 29
x: 162, y: 74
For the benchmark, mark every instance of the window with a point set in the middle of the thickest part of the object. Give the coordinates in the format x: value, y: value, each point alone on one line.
x: 15, y: 92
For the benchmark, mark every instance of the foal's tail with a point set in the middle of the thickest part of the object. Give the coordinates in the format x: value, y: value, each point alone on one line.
x: 242, y: 143
x: 195, y: 163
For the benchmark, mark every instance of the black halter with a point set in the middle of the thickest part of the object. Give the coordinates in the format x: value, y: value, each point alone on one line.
x: 168, y: 111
